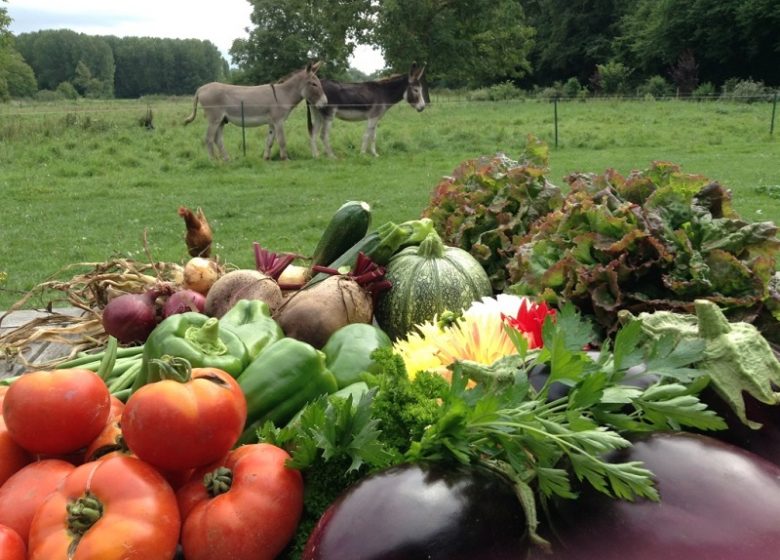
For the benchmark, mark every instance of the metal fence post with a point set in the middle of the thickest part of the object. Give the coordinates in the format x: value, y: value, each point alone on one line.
x: 555, y: 117
x: 243, y: 130
x: 774, y: 111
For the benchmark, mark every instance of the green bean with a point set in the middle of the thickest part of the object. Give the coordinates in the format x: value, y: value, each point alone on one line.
x: 125, y: 380
x: 109, y: 358
x: 88, y: 361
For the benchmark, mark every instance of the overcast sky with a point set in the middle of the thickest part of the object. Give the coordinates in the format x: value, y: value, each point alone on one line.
x: 218, y: 21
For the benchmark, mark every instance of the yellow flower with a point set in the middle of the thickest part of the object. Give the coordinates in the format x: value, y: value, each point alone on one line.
x: 478, y: 336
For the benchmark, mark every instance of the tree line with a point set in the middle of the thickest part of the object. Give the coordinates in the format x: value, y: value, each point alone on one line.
x: 599, y: 45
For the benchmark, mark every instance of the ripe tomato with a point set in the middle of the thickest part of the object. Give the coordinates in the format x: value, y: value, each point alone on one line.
x: 11, y: 545
x: 110, y: 438
x: 255, y: 510
x: 118, y: 508
x: 23, y: 492
x: 12, y: 456
x: 180, y: 425
x: 56, y: 412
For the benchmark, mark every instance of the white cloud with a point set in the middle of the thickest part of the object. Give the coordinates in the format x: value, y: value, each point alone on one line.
x: 220, y: 22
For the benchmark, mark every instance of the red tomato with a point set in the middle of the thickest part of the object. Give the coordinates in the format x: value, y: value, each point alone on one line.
x: 11, y: 545
x: 255, y: 515
x: 56, y: 412
x: 130, y: 513
x: 12, y: 456
x: 23, y: 492
x: 177, y: 426
x: 110, y: 438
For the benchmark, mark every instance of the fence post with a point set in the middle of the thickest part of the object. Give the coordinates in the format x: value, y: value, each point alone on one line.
x: 774, y: 111
x: 243, y: 130
x: 555, y: 117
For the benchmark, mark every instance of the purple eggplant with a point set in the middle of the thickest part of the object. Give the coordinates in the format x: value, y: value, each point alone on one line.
x: 718, y: 502
x: 423, y: 512
x: 764, y: 441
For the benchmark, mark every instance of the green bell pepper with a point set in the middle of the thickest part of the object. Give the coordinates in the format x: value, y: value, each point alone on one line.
x: 250, y: 320
x: 280, y: 381
x: 198, y: 339
x: 348, y: 351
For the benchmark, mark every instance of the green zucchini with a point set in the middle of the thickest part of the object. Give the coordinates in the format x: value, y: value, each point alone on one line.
x: 347, y: 226
x: 379, y: 245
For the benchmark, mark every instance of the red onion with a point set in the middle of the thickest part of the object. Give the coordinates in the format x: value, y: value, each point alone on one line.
x: 184, y: 301
x: 131, y: 317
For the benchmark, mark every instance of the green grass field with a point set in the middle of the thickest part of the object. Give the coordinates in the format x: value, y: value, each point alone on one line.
x: 84, y: 181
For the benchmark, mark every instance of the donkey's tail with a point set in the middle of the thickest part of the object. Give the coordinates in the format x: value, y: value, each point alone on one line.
x: 309, y: 124
x: 191, y: 118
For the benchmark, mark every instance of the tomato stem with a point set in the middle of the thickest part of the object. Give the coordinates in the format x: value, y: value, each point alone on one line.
x: 83, y: 513
x: 218, y: 481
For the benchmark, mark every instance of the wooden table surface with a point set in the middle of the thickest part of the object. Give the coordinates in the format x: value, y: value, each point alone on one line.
x: 41, y: 352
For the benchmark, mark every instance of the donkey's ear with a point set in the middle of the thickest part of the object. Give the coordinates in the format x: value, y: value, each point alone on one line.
x: 415, y: 72
x: 420, y: 71
x: 314, y: 67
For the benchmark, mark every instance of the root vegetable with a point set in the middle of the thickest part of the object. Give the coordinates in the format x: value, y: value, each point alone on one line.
x: 184, y: 301
x: 242, y: 284
x: 200, y: 274
x: 313, y: 314
x: 131, y: 317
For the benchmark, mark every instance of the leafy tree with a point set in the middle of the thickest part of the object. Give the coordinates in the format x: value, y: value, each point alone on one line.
x: 55, y: 54
x: 727, y: 37
x: 463, y: 43
x: 17, y: 75
x: 288, y: 34
x: 572, y: 36
x: 5, y: 22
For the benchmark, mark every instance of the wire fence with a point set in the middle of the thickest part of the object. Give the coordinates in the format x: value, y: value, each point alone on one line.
x: 80, y: 110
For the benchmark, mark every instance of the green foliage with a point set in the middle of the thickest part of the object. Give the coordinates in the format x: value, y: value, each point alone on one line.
x: 707, y: 90
x: 745, y: 91
x: 611, y: 78
x: 56, y: 56
x: 67, y: 91
x: 572, y: 89
x: 60, y: 178
x: 497, y: 92
x: 17, y: 75
x: 656, y: 238
x: 572, y: 37
x: 655, y: 86
x: 463, y: 43
x: 727, y: 37
x: 488, y: 202
x: 287, y: 35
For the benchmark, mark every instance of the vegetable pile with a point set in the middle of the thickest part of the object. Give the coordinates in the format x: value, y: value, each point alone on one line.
x: 505, y: 377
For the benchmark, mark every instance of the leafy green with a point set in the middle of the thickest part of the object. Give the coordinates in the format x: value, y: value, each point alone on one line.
x: 657, y: 239
x: 488, y: 202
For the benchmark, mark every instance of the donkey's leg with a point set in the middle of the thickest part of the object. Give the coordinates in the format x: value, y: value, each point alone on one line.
x: 209, y: 140
x: 281, y: 139
x: 219, y: 140
x: 269, y: 141
x: 316, y: 128
x: 326, y: 136
x: 369, y: 138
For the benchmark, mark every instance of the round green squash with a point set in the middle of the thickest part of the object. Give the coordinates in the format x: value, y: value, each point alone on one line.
x: 427, y: 280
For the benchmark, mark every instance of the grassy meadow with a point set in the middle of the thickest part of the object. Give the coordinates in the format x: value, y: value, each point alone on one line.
x: 84, y: 182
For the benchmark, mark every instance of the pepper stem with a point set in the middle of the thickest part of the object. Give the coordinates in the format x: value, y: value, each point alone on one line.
x: 206, y: 338
x: 218, y: 481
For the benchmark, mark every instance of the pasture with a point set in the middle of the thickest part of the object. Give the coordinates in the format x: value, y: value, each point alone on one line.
x: 85, y: 182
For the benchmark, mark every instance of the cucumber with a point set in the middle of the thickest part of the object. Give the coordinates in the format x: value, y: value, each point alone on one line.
x: 379, y: 245
x: 347, y: 226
